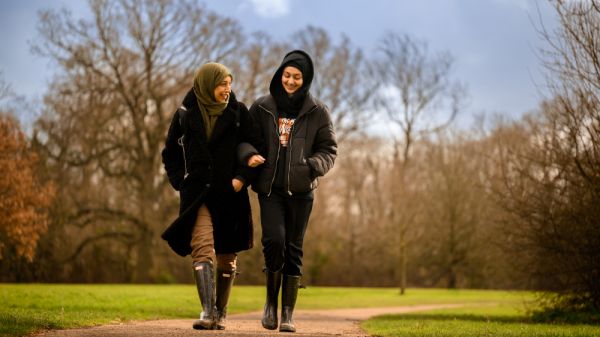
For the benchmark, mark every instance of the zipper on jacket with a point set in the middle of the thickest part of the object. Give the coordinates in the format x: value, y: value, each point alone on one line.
x: 290, y: 159
x: 289, y: 184
x: 180, y: 142
x: 278, y: 149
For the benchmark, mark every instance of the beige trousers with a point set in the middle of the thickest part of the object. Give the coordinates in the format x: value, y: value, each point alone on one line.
x: 203, y: 243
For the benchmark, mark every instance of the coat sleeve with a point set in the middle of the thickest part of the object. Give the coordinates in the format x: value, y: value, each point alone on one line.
x: 172, y: 154
x: 324, y: 146
x: 250, y: 142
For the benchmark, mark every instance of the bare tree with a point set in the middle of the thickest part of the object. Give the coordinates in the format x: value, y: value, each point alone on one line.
x: 119, y: 78
x: 5, y: 89
x: 348, y: 224
x: 453, y: 248
x: 254, y: 70
x: 563, y: 167
x: 550, y: 184
x: 418, y: 97
x: 340, y: 80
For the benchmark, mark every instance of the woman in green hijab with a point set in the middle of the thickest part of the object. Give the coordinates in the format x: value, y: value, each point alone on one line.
x: 200, y: 159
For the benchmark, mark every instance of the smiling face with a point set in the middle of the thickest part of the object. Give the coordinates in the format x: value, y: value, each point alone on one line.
x: 222, y: 90
x: 291, y: 79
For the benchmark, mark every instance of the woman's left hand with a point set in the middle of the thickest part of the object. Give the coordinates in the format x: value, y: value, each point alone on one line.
x: 237, y: 184
x: 256, y: 160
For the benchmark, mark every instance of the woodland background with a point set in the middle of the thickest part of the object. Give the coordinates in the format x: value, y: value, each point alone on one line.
x: 499, y: 204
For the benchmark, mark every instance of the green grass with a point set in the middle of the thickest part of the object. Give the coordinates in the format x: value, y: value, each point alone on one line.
x: 27, y: 308
x: 329, y: 298
x: 503, y: 320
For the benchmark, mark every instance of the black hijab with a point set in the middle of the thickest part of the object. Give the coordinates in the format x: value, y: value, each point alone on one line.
x: 291, y: 105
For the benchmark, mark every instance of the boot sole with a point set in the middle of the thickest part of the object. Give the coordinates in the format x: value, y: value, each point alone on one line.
x: 287, y: 328
x: 203, y: 326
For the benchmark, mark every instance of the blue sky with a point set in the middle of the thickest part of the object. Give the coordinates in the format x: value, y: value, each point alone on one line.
x: 493, y: 41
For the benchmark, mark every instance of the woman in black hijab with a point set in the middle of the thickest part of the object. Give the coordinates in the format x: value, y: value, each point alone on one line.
x: 299, y: 146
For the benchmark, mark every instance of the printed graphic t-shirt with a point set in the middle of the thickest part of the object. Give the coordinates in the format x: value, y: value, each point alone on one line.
x: 285, y: 126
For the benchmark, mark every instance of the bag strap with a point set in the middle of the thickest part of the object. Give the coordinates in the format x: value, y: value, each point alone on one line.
x: 182, y: 113
x: 237, y: 118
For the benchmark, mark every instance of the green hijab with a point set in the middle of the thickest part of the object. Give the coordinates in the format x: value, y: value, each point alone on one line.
x: 205, y: 81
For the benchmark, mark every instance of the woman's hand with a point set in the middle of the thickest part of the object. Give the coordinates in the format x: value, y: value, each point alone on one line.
x: 237, y: 184
x: 255, y: 160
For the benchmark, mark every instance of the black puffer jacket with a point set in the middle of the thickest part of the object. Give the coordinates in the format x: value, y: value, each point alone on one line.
x: 202, y: 172
x: 312, y: 146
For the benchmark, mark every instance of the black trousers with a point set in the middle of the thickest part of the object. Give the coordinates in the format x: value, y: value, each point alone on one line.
x: 284, y: 219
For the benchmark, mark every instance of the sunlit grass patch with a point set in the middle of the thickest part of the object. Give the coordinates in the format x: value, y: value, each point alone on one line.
x: 501, y: 320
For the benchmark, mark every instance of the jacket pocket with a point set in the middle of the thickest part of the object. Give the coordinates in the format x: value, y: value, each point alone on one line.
x: 298, y: 151
x: 301, y: 179
x: 264, y: 181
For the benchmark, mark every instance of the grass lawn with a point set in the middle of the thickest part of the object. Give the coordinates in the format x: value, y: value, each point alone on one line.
x: 503, y: 320
x: 27, y: 308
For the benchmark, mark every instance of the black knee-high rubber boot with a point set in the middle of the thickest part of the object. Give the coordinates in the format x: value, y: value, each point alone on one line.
x: 224, y: 283
x: 289, y: 293
x: 205, y: 282
x: 269, y: 319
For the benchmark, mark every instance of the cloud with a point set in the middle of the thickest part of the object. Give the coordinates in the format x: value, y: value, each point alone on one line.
x: 271, y: 8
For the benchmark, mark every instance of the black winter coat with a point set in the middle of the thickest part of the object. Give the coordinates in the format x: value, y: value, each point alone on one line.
x: 202, y: 171
x: 312, y: 146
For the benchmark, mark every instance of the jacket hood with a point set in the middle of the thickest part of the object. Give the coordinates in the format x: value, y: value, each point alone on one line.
x: 301, y: 60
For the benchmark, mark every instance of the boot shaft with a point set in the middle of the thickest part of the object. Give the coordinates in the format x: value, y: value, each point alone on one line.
x: 273, y: 286
x: 289, y: 291
x: 289, y: 294
x: 273, y: 282
x: 225, y: 280
x: 205, y: 283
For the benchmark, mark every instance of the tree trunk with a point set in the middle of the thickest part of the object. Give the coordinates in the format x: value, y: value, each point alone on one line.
x: 402, y: 263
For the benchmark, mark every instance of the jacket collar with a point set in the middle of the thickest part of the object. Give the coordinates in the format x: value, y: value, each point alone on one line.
x: 270, y: 105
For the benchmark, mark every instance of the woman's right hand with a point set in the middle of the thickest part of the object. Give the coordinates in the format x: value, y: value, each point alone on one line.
x: 256, y: 160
